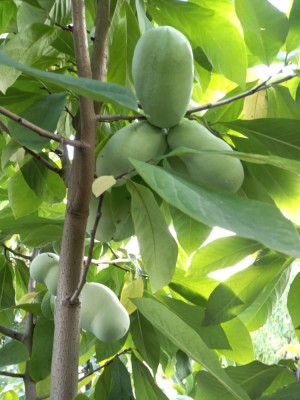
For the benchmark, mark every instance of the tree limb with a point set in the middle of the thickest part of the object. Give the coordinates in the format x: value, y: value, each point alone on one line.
x: 11, y: 333
x: 16, y: 253
x: 11, y: 374
x: 40, y: 131
x: 43, y: 161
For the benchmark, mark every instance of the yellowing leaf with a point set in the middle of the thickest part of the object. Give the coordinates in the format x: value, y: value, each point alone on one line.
x: 103, y: 183
x: 132, y: 288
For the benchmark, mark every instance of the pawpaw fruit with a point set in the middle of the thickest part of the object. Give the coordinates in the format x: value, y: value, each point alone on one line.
x: 102, y: 313
x: 140, y: 140
x: 44, y: 269
x: 217, y: 170
x: 163, y: 71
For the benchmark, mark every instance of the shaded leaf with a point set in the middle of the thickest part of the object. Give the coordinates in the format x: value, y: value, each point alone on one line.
x: 247, y: 218
x: 13, y: 352
x: 293, y: 304
x: 158, y: 247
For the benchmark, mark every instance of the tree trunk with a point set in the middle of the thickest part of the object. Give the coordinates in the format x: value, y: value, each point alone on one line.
x: 64, y: 373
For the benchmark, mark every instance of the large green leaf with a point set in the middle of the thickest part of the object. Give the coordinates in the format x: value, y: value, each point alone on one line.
x: 293, y: 304
x: 7, y: 10
x: 22, y: 199
x: 40, y: 362
x: 247, y: 218
x: 114, y: 383
x: 280, y: 136
x: 144, y: 384
x: 189, y: 232
x: 254, y: 378
x: 7, y: 291
x: 186, y: 338
x: 44, y: 113
x: 157, y: 245
x: 290, y: 392
x: 208, y: 29
x: 146, y: 340
x: 13, y: 352
x: 293, y: 38
x: 281, y: 104
x: 96, y: 90
x: 240, y: 290
x: 265, y: 27
x: 256, y: 315
x: 221, y: 253
x: 35, y: 231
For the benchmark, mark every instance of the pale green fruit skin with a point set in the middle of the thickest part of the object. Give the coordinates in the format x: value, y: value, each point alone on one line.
x: 102, y: 313
x: 139, y: 140
x: 163, y: 71
x: 220, y: 171
x: 44, y: 269
x: 106, y: 227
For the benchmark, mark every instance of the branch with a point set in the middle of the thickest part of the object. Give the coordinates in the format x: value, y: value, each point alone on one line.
x: 126, y: 351
x: 88, y: 260
x: 40, y: 131
x: 11, y: 374
x: 43, y: 161
x: 11, y: 333
x: 262, y: 86
x: 16, y: 253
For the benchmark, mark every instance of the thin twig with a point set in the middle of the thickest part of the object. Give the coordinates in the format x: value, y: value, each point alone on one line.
x: 11, y: 333
x: 43, y: 161
x: 262, y: 86
x: 16, y: 253
x: 40, y: 131
x: 11, y: 374
x: 126, y: 351
x: 87, y: 262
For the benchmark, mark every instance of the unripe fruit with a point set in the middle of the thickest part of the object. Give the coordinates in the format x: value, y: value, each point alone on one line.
x: 217, y: 170
x: 44, y: 269
x: 102, y: 313
x: 140, y: 140
x: 163, y: 71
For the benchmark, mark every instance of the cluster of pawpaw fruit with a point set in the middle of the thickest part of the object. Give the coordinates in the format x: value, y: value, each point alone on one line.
x: 101, y: 312
x: 163, y: 71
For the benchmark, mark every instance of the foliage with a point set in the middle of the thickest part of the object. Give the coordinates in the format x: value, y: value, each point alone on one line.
x: 190, y: 327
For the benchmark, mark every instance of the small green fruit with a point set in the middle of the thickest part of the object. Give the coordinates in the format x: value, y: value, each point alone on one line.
x: 140, y: 140
x: 163, y: 71
x: 217, y: 170
x: 102, y: 313
x: 44, y: 269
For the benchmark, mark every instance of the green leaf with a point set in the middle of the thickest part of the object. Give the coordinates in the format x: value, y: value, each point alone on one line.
x: 114, y: 383
x: 247, y: 218
x: 189, y: 232
x: 95, y: 90
x: 265, y: 28
x: 181, y: 334
x: 13, y: 352
x: 7, y: 291
x: 22, y: 199
x: 106, y: 350
x: 10, y: 395
x: 241, y: 351
x: 255, y: 316
x: 221, y: 253
x: 279, y: 135
x: 240, y: 290
x: 207, y: 28
x: 45, y: 183
x: 158, y: 247
x: 44, y: 113
x: 290, y: 392
x: 281, y: 104
x: 293, y: 38
x: 254, y: 378
x: 35, y: 231
x: 144, y: 384
x: 293, y: 304
x: 146, y: 340
x: 7, y: 11
x: 40, y: 362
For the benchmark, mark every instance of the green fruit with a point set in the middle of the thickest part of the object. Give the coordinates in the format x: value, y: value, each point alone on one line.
x: 140, y: 140
x: 44, y: 269
x: 217, y: 170
x: 162, y: 71
x: 106, y: 226
x: 102, y: 313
